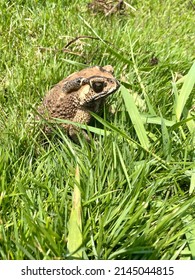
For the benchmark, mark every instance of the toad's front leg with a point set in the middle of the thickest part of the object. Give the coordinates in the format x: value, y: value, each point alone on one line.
x: 82, y: 117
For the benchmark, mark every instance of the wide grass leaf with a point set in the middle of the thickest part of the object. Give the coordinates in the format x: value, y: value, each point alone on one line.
x: 135, y: 118
x: 185, y: 92
x: 75, y: 224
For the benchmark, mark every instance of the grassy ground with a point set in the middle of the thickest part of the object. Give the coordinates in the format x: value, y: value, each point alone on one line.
x: 137, y: 180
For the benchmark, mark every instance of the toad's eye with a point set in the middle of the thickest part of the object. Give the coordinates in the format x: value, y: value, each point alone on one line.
x: 98, y: 86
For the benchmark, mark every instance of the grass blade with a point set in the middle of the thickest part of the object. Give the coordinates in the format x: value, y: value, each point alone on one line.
x: 135, y: 118
x: 165, y: 140
x: 185, y: 92
x: 156, y: 120
x: 75, y: 225
x: 124, y: 167
x: 190, y: 236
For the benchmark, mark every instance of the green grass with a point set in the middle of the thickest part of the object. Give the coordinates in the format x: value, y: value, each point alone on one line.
x: 136, y: 178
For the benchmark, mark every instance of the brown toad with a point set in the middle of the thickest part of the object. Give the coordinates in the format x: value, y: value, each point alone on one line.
x: 75, y: 96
